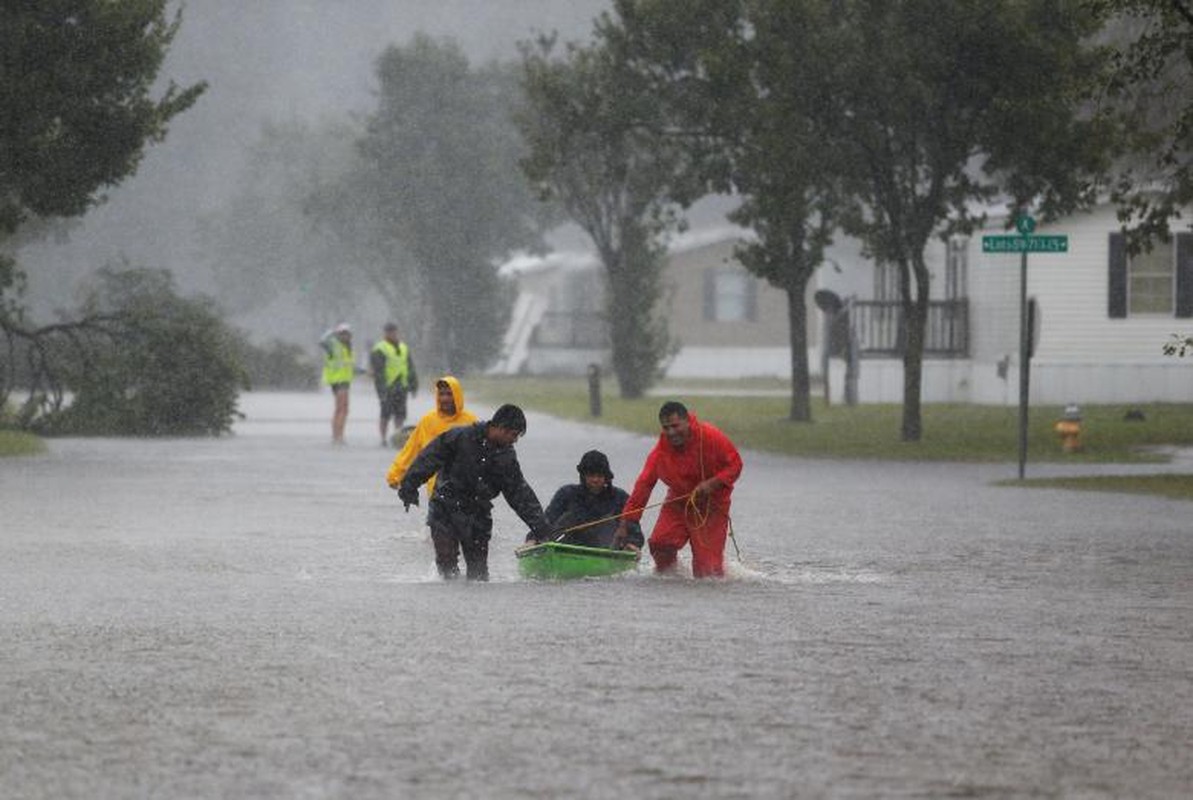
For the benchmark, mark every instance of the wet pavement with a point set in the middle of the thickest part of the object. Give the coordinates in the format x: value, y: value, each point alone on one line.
x: 256, y: 617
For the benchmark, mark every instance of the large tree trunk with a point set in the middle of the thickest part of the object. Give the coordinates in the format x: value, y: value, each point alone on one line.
x: 915, y: 313
x: 638, y: 333
x: 633, y: 358
x: 797, y: 334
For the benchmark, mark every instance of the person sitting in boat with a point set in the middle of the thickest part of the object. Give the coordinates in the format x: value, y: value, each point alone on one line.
x: 586, y: 513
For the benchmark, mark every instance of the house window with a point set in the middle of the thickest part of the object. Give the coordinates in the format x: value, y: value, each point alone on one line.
x: 730, y: 295
x: 1150, y: 285
x: 1156, y: 282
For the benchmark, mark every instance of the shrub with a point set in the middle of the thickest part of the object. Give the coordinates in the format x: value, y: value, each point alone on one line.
x: 159, y: 365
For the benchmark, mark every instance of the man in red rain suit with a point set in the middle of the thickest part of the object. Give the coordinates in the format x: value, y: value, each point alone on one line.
x: 699, y: 465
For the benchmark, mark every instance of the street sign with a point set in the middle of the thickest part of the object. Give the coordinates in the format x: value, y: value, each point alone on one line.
x: 1025, y: 244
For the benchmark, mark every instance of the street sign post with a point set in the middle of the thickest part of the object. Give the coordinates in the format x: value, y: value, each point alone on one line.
x: 1026, y: 242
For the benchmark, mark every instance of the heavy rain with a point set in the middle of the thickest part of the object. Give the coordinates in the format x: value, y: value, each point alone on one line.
x: 255, y: 614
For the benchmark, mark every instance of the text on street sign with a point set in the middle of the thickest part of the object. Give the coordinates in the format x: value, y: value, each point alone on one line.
x: 1025, y: 244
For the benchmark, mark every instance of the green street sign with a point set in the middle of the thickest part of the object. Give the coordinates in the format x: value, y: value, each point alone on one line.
x: 1025, y: 225
x: 1025, y: 244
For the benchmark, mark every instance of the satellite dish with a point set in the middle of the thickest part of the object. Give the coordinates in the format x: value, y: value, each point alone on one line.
x: 827, y: 301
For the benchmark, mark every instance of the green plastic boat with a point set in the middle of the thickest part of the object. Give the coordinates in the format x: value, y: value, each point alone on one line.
x: 555, y: 560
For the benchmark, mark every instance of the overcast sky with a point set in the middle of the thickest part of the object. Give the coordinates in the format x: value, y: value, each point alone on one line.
x: 287, y: 59
x: 273, y: 60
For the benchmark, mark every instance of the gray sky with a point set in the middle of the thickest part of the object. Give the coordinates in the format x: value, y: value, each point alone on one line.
x: 269, y: 60
x: 287, y: 59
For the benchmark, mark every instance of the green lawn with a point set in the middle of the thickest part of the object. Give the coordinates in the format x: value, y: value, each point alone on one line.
x: 951, y: 432
x: 1176, y: 487
x: 18, y: 443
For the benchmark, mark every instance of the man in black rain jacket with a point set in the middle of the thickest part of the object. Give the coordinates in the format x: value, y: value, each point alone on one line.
x: 587, y: 512
x: 473, y: 464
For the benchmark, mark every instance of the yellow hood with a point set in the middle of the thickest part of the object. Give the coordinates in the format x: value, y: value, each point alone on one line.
x: 429, y: 426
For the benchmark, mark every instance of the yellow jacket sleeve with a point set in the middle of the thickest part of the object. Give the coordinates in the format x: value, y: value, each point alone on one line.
x: 405, y: 456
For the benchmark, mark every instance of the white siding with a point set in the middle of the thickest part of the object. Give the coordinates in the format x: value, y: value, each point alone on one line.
x: 1071, y: 290
x: 1082, y: 355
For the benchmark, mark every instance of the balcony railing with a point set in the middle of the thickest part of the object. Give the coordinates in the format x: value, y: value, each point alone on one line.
x: 881, y: 333
x: 877, y: 324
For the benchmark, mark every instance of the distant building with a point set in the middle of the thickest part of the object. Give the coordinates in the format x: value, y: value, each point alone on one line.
x: 726, y: 322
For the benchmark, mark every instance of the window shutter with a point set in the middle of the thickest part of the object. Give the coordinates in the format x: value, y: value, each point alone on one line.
x: 710, y: 295
x: 751, y: 299
x: 1117, y: 288
x: 1184, y: 274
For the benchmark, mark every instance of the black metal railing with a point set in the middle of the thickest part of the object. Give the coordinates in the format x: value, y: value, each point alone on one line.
x: 878, y: 325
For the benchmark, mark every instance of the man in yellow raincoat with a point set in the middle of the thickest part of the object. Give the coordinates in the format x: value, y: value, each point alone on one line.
x: 449, y: 413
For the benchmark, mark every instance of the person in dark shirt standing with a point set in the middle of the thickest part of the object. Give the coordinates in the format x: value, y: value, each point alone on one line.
x: 394, y: 377
x: 473, y: 464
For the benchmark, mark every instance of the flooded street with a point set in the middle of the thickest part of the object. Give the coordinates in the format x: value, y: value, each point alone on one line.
x: 256, y: 617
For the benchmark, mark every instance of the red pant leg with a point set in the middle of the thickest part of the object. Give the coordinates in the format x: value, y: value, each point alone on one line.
x: 669, y: 535
x: 708, y: 545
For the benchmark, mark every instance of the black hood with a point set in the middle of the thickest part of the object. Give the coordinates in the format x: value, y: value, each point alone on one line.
x: 594, y: 462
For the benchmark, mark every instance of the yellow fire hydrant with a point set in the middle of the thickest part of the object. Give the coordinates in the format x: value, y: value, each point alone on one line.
x: 1068, y: 428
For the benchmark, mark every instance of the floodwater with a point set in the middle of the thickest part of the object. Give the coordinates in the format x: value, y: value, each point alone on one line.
x: 255, y: 616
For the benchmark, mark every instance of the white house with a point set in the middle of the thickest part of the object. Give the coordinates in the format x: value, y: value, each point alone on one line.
x: 557, y: 326
x: 1103, y: 317
x: 724, y: 321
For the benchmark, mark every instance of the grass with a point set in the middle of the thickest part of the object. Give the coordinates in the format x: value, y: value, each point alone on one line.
x: 755, y: 419
x: 18, y: 443
x: 1175, y: 487
x: 951, y: 432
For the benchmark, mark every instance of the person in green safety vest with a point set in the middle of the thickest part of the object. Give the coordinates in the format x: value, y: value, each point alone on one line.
x: 339, y: 368
x: 393, y: 377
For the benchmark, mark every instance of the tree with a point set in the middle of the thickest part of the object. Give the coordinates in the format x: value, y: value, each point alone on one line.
x: 76, y: 104
x: 138, y: 360
x: 744, y: 83
x: 439, y: 194
x: 1150, y: 83
x: 278, y: 364
x: 942, y: 105
x: 1151, y: 80
x: 76, y: 112
x: 265, y: 243
x: 593, y: 131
